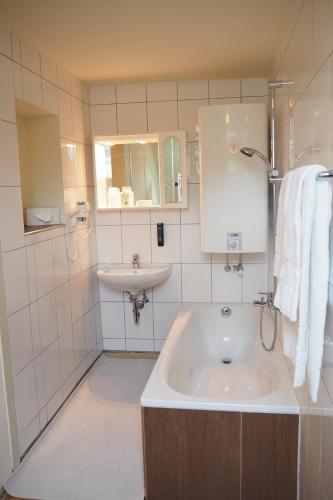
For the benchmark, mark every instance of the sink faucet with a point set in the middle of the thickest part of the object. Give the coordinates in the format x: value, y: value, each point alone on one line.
x: 135, y: 261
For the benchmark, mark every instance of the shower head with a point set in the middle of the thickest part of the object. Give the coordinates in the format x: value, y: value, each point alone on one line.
x: 250, y: 152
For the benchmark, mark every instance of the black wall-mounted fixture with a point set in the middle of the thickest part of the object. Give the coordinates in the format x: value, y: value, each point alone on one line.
x: 160, y: 234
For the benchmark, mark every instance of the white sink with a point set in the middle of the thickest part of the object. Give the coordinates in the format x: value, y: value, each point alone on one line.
x: 126, y: 279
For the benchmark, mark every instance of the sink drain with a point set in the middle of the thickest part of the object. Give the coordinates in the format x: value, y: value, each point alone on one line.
x: 226, y: 361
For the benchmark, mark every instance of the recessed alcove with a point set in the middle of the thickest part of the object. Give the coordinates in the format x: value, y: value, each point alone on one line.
x: 40, y: 162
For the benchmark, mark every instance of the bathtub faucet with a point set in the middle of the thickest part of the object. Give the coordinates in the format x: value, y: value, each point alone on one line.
x: 267, y: 299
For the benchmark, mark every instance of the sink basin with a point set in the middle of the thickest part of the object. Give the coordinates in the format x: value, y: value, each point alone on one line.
x: 126, y: 279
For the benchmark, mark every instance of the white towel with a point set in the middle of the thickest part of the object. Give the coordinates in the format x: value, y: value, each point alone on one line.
x: 287, y: 263
x: 301, y: 266
x: 319, y: 276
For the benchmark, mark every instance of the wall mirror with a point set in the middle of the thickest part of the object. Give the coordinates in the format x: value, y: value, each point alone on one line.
x: 141, y: 171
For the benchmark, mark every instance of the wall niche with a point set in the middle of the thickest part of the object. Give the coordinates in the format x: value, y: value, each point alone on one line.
x: 40, y: 161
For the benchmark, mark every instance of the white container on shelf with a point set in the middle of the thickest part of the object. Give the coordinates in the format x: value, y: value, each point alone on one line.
x: 127, y: 197
x: 114, y: 199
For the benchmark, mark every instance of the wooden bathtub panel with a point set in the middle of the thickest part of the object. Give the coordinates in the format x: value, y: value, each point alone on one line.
x: 269, y: 461
x: 191, y: 454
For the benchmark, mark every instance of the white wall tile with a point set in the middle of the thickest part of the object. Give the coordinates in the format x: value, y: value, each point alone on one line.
x: 60, y: 264
x: 196, y: 283
x: 5, y: 40
x: 254, y: 87
x: 144, y: 328
x: 139, y: 345
x: 170, y: 252
x: 162, y: 91
x: 50, y: 97
x: 226, y: 286
x: 196, y: 89
x: 18, y: 80
x: 68, y: 162
x: 107, y: 294
x: 26, y: 404
x: 63, y: 78
x: 102, y: 94
x: 30, y: 57
x: 31, y: 270
x: 224, y: 88
x: 76, y: 298
x: 254, y: 281
x: 51, y: 367
x: 44, y: 267
x: 171, y: 216
x: 11, y: 229
x: 77, y: 113
x: 48, y: 69
x: 7, y: 99
x: 66, y: 354
x: 109, y: 247
x: 162, y: 116
x: 76, y: 87
x: 35, y: 334
x: 132, y: 118
x: 16, y: 47
x: 54, y: 404
x: 20, y: 339
x: 222, y: 101
x: 190, y: 244
x: 27, y: 436
x: 191, y: 215
x: 164, y: 316
x: 114, y: 344
x: 135, y: 92
x: 40, y: 382
x: 32, y: 88
x: 64, y: 310
x: 79, y: 341
x: 189, y: 118
x: 16, y: 280
x: 65, y: 115
x: 108, y: 218
x: 9, y: 167
x: 135, y: 217
x: 104, y: 120
x: 47, y: 312
x: 170, y: 290
x: 136, y: 239
x: 113, y: 320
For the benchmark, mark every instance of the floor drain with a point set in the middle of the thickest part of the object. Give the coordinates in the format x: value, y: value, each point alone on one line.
x: 226, y: 361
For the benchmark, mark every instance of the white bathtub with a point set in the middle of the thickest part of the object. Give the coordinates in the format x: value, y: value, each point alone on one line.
x: 190, y: 372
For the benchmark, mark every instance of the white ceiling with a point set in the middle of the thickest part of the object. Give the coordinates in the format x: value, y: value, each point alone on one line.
x: 146, y: 40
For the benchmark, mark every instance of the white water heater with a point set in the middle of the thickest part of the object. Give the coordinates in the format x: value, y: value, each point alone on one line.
x: 233, y: 187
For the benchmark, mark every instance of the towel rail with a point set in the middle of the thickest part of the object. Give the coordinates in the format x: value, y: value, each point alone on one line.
x: 326, y: 174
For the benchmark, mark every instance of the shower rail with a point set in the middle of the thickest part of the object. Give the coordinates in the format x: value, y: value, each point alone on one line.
x: 325, y: 174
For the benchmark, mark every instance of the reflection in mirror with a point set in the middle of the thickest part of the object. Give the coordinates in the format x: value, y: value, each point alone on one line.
x: 172, y: 170
x: 132, y: 174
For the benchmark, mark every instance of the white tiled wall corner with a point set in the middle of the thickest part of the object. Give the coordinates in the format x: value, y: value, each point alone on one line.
x: 32, y: 88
